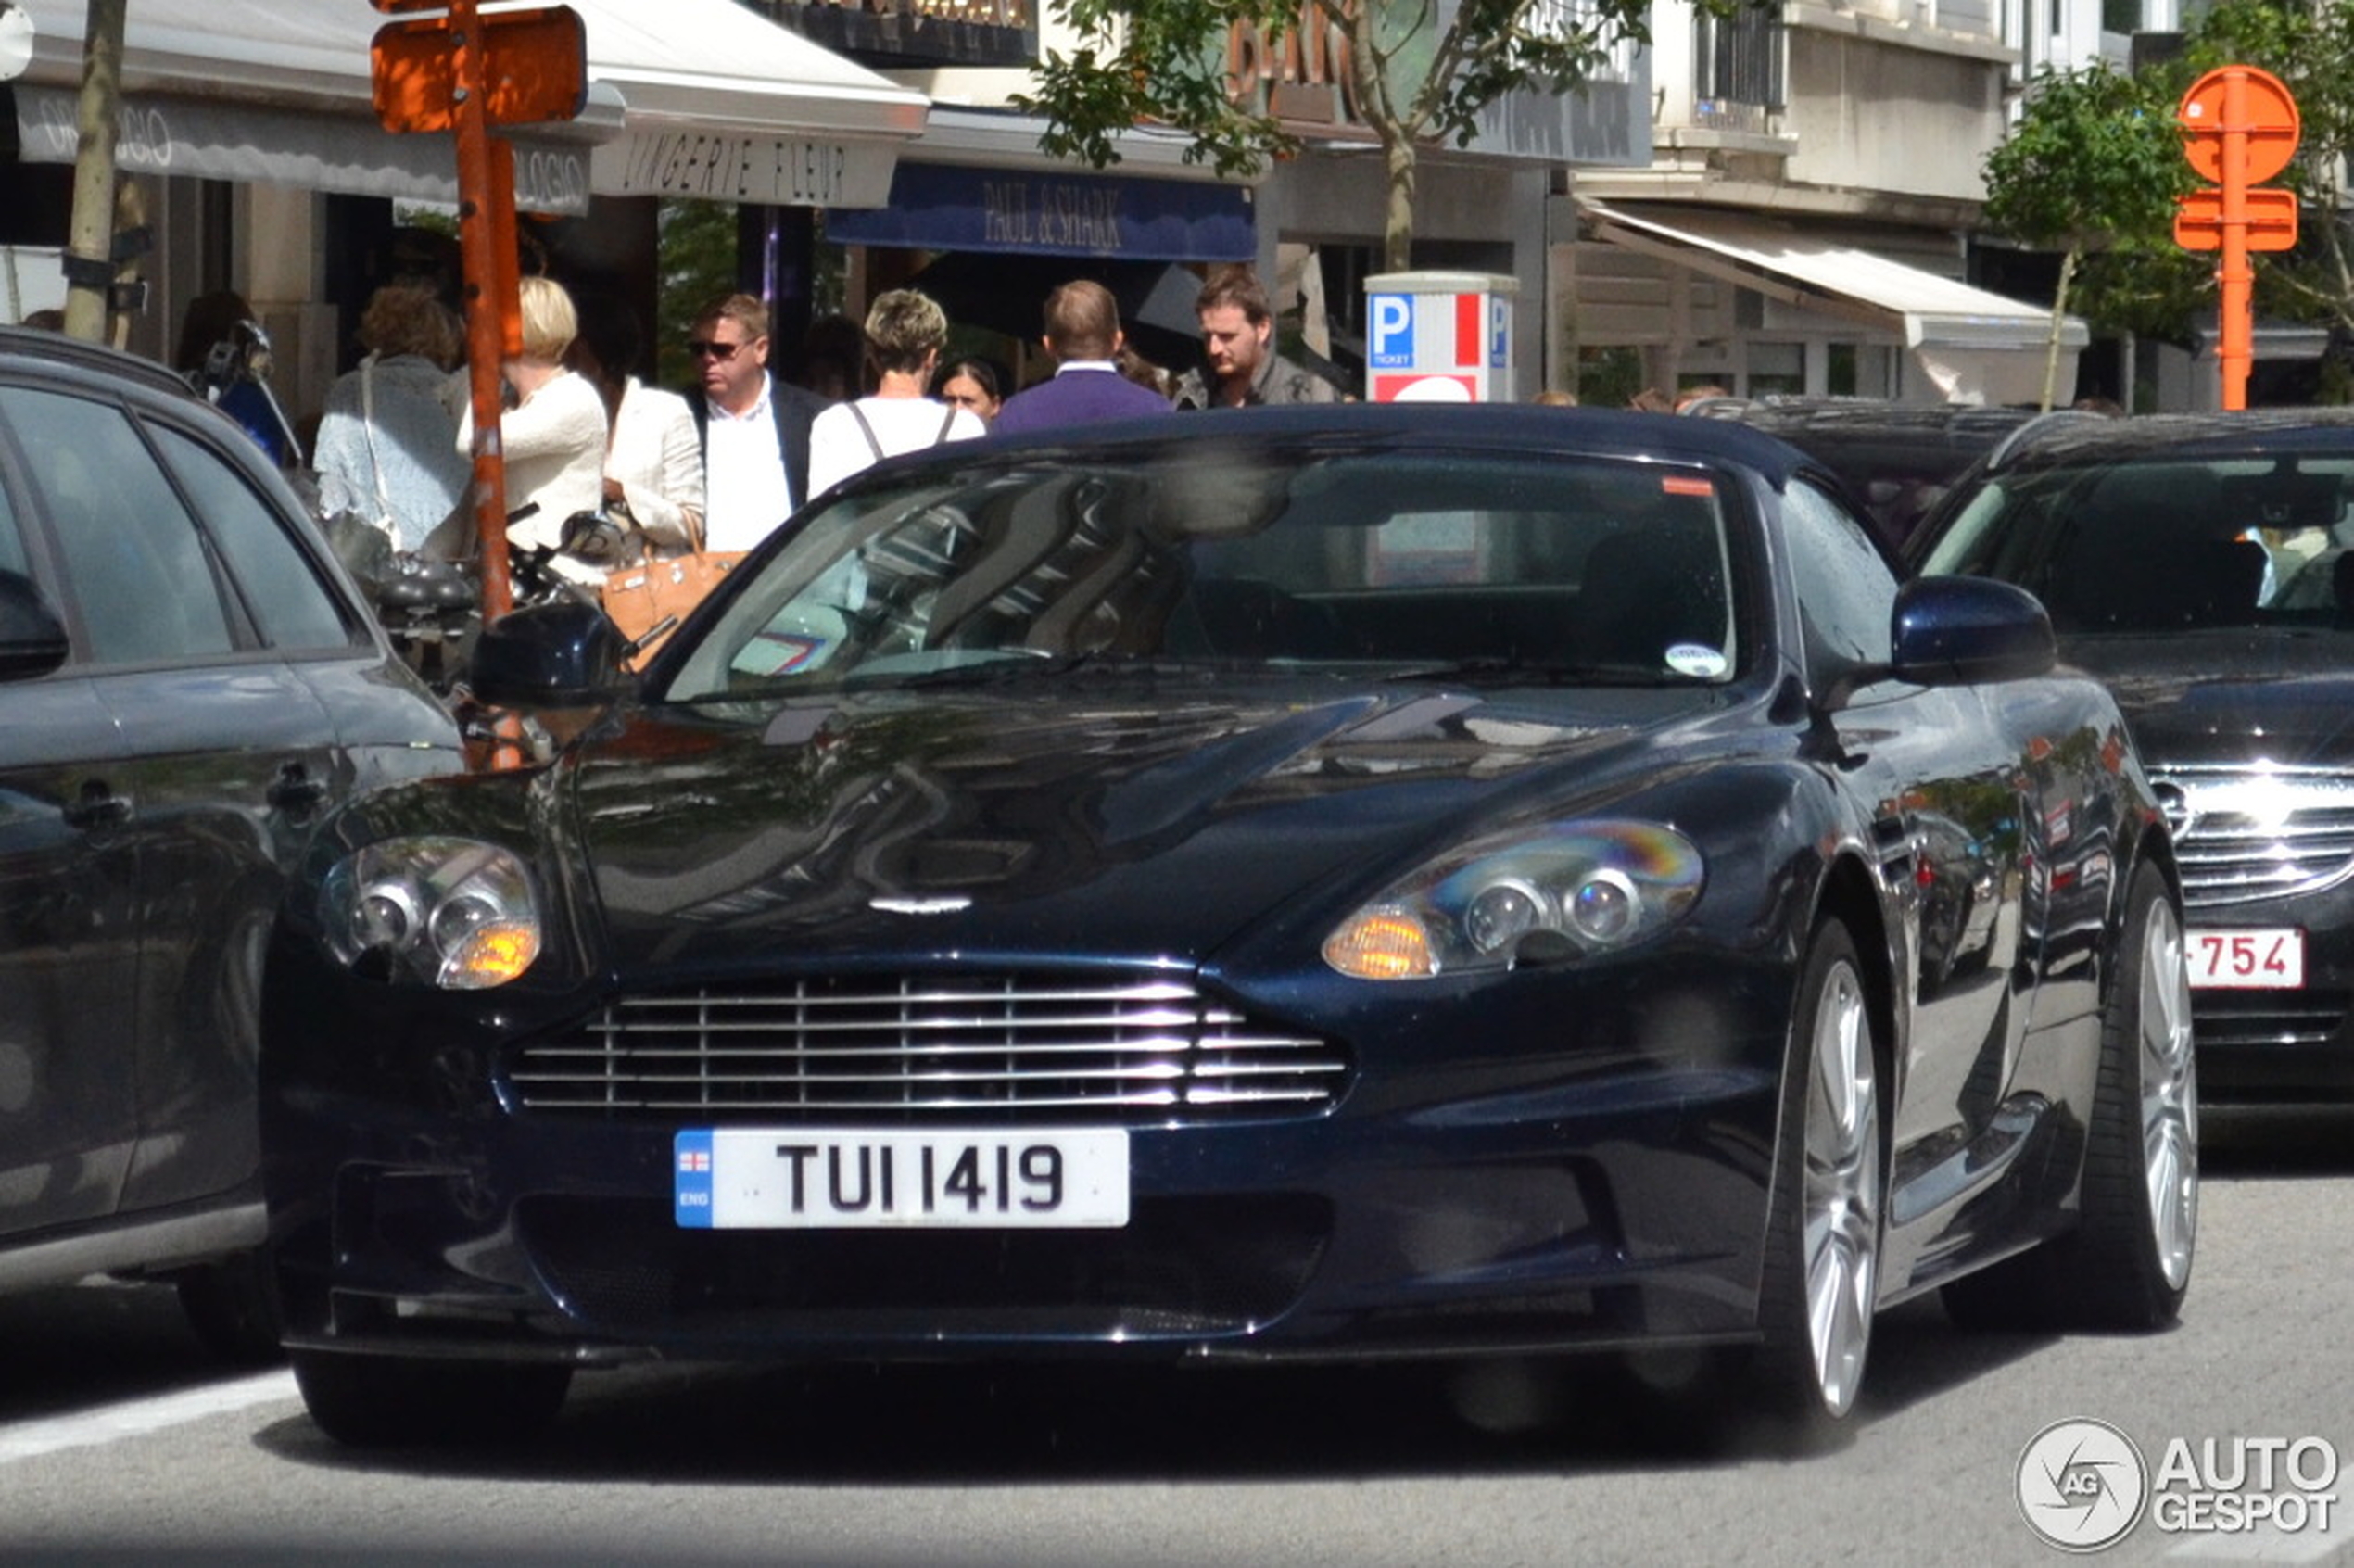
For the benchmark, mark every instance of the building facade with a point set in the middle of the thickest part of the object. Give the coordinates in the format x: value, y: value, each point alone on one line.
x: 1804, y: 224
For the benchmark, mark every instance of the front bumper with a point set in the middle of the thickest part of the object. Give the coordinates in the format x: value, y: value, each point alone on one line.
x: 1575, y: 1182
x: 2282, y: 1047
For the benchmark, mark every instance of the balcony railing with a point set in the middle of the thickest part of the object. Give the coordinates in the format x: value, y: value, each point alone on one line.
x: 1737, y: 69
x: 978, y: 32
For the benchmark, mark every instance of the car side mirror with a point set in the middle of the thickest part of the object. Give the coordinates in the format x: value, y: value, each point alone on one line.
x: 564, y: 653
x: 33, y: 640
x: 1961, y: 632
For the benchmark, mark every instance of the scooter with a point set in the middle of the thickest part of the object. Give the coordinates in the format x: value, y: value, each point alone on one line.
x: 432, y: 609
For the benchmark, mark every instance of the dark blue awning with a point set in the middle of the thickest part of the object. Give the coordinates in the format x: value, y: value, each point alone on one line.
x: 942, y: 207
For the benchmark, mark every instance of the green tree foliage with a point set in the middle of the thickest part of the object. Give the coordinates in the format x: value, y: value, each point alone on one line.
x: 2110, y: 146
x: 2092, y: 166
x: 698, y: 248
x: 1420, y: 71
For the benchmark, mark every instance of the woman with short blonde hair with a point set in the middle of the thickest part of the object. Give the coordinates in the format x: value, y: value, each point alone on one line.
x: 553, y: 438
x: 550, y: 321
x: 905, y: 331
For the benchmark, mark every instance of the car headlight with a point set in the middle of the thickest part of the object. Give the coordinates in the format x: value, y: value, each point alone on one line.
x: 454, y: 913
x: 1563, y: 889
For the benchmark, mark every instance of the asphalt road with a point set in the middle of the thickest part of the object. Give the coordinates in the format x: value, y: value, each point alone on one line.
x: 119, y: 1443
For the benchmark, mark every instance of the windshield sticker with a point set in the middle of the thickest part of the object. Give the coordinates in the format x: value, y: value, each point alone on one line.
x: 1696, y: 659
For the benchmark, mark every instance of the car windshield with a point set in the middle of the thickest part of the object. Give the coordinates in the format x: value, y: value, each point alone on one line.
x: 2166, y: 544
x: 1461, y: 565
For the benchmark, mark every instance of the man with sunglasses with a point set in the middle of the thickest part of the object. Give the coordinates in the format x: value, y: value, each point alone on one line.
x: 755, y: 427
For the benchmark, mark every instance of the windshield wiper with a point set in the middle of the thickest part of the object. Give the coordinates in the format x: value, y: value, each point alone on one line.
x: 1547, y: 671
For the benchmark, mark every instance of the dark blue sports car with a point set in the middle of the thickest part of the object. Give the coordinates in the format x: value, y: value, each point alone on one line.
x: 1337, y: 883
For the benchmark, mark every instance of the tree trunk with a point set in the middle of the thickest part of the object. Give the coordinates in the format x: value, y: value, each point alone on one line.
x: 90, y: 244
x: 2059, y: 320
x: 1377, y: 106
x: 1397, y: 218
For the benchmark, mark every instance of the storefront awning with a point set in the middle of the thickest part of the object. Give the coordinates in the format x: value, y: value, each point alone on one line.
x: 1976, y: 346
x: 949, y: 206
x: 718, y: 103
x: 725, y: 106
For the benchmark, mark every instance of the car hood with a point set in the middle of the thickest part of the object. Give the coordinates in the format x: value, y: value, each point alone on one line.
x: 2231, y: 696
x: 1142, y: 824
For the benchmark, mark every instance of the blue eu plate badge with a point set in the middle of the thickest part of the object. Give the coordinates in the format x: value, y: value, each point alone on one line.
x: 691, y: 1177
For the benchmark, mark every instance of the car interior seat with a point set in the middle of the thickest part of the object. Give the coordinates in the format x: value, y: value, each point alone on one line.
x: 1646, y: 589
x: 2150, y: 554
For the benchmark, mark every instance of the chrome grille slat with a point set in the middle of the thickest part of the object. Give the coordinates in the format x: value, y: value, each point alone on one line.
x: 929, y: 1048
x: 2248, y: 833
x: 2259, y: 1021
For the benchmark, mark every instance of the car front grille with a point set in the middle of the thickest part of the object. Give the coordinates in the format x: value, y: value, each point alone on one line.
x: 2262, y: 1020
x: 932, y: 1049
x: 2244, y: 834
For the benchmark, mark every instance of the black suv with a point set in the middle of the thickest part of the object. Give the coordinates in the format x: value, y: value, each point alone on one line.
x: 2200, y: 566
x: 1897, y: 459
x: 188, y: 682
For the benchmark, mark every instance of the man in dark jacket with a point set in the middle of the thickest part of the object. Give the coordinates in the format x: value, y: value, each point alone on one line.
x: 1237, y: 339
x: 1083, y: 335
x: 754, y: 428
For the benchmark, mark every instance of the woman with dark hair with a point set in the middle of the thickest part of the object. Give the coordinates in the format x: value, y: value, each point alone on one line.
x: 971, y: 383
x: 225, y: 355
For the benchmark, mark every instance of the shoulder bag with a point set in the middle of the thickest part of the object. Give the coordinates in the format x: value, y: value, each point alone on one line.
x: 649, y: 599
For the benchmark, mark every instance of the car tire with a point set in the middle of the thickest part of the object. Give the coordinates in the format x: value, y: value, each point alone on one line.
x: 2126, y: 1265
x: 1821, y: 1274
x: 397, y: 1401
x: 232, y: 1307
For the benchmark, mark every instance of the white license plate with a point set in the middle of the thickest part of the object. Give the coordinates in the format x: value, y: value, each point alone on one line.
x: 2250, y: 959
x: 735, y: 1178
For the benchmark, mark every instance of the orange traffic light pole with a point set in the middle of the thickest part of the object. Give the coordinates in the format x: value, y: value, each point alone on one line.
x: 486, y: 256
x: 464, y: 73
x: 2234, y: 274
x: 2240, y: 129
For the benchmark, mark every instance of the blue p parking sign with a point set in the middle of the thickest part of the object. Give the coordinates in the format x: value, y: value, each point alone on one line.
x: 1389, y: 330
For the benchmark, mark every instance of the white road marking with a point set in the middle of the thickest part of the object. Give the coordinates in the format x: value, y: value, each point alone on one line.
x: 136, y: 1418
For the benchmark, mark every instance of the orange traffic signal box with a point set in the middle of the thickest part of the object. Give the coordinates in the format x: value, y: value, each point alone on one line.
x: 2271, y: 219
x: 537, y: 69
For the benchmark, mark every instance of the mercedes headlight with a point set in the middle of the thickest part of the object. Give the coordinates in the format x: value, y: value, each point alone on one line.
x: 1562, y: 890
x: 454, y: 913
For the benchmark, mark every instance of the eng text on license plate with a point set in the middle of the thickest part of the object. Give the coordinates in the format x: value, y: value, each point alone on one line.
x: 734, y: 1178
x: 2256, y: 958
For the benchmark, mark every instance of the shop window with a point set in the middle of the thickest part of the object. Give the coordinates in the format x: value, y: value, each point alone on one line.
x: 1838, y: 369
x: 1859, y: 369
x: 1777, y: 368
x: 1609, y: 378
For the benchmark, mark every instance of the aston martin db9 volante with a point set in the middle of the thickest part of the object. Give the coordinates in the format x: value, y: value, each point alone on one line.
x: 1321, y: 883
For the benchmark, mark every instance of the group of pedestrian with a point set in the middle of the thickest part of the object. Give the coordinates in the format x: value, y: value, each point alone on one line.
x: 720, y: 465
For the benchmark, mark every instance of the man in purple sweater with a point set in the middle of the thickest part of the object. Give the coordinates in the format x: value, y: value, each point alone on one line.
x: 1083, y: 333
